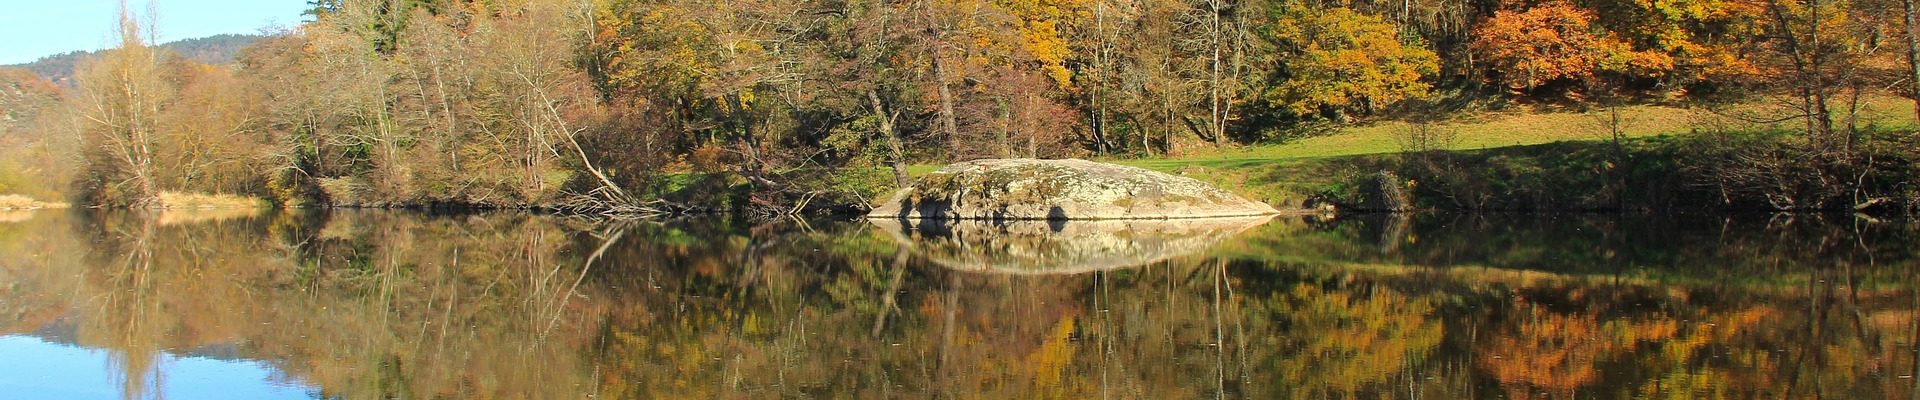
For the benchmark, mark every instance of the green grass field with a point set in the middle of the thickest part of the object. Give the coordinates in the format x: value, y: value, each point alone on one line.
x: 1494, y: 130
x: 1285, y: 174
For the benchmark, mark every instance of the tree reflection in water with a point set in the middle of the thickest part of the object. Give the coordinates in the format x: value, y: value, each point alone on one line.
x: 404, y: 305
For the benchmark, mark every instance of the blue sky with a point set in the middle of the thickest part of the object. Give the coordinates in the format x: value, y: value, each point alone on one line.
x: 30, y: 29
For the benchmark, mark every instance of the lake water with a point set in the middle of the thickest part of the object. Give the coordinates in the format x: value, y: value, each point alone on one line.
x: 364, y: 304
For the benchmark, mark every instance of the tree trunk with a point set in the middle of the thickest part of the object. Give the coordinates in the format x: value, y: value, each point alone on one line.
x: 1913, y: 57
x: 753, y: 166
x: 949, y: 129
x: 1100, y: 80
x: 1823, y: 116
x: 1806, y: 67
x: 1215, y: 119
x: 1239, y: 57
x: 1003, y: 134
x: 1146, y: 133
x: 896, y: 159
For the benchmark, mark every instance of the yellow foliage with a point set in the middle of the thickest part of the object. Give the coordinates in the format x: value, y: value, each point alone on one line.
x: 1050, y: 362
x: 1040, y: 34
x: 1342, y: 59
x: 1343, y: 344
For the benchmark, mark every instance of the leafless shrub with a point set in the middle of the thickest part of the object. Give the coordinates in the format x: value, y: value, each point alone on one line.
x: 1426, y: 137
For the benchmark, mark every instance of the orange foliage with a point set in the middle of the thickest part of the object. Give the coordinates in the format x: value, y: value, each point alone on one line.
x: 1703, y: 34
x: 1554, y: 353
x: 1554, y: 42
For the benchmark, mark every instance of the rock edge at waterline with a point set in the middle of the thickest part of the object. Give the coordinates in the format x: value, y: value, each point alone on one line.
x: 1029, y: 247
x: 1030, y: 189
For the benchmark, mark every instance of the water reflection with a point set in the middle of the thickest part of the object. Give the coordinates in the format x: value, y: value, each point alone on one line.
x: 38, y: 368
x: 398, y: 305
x: 7, y: 216
x: 1059, y: 246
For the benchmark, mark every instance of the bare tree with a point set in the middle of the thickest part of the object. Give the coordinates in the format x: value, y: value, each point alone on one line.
x: 119, y: 100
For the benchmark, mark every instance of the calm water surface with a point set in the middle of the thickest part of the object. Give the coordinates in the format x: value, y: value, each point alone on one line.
x: 364, y: 305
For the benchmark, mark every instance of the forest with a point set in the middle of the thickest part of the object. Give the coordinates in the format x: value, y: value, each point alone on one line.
x: 637, y: 106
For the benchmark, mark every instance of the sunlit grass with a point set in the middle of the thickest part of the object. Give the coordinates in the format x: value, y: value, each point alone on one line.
x: 177, y: 200
x: 1505, y: 129
x: 1284, y: 174
x: 18, y: 202
x: 184, y: 216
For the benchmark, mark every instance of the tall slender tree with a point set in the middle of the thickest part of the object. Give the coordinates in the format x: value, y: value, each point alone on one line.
x: 120, y: 97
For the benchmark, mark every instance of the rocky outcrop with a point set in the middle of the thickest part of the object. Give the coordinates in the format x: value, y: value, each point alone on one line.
x: 1030, y: 247
x: 1028, y: 189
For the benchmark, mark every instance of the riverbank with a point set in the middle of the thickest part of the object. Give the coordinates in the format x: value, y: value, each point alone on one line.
x: 1641, y: 157
x: 1703, y: 172
x: 1538, y: 157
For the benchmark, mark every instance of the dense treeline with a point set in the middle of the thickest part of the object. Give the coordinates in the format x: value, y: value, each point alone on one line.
x: 776, y: 105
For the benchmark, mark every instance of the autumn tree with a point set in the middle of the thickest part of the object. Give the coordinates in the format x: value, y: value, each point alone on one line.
x: 205, y: 143
x: 1226, y: 44
x: 466, y: 103
x: 118, y: 99
x: 1553, y: 42
x: 1042, y: 25
x: 937, y: 22
x: 763, y: 90
x: 1007, y: 78
x: 1822, y: 47
x: 1687, y: 42
x: 1337, y: 62
x: 1147, y: 79
x: 1150, y: 78
x: 516, y: 109
x: 863, y: 71
x: 1046, y: 35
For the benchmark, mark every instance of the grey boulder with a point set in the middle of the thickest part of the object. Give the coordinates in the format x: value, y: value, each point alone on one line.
x: 1030, y: 189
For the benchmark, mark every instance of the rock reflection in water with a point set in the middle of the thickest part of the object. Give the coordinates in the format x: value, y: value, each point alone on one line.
x: 1060, y: 246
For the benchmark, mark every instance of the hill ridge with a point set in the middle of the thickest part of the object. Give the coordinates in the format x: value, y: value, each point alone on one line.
x: 217, y: 50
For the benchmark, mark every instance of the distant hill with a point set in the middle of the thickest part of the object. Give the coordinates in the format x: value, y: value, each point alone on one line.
x: 217, y: 50
x: 22, y: 96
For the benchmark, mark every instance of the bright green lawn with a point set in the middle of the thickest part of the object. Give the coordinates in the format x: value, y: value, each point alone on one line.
x: 1283, y: 174
x: 1484, y: 131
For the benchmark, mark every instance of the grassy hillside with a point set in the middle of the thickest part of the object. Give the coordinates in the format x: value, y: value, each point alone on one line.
x: 29, y: 161
x: 1529, y: 127
x: 1287, y: 174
